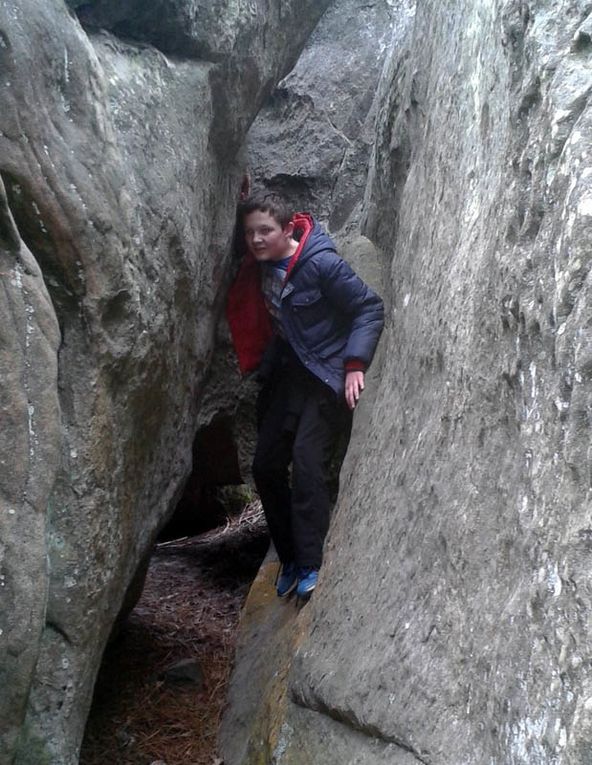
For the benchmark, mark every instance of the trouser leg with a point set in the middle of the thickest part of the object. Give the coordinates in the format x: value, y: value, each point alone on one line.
x: 311, y: 453
x: 273, y: 454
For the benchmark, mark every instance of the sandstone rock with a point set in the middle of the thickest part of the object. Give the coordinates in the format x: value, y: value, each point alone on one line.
x: 452, y: 616
x: 313, y: 138
x: 257, y: 693
x: 190, y: 28
x: 121, y: 173
x: 29, y: 458
x: 464, y: 633
x: 262, y: 723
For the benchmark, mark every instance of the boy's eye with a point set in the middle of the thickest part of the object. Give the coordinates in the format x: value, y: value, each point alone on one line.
x: 261, y: 231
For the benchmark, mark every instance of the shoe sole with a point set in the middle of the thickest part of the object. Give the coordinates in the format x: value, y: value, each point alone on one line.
x: 305, y: 593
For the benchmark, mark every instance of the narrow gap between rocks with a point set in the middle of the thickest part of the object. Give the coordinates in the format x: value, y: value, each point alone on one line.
x: 162, y: 684
x: 214, y: 489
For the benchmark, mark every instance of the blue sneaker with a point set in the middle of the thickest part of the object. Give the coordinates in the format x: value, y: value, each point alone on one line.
x: 287, y: 579
x: 307, y: 581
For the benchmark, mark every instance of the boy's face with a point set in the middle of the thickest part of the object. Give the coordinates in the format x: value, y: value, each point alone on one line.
x: 266, y: 239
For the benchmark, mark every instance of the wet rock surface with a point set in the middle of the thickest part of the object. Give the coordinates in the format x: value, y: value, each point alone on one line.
x: 121, y: 173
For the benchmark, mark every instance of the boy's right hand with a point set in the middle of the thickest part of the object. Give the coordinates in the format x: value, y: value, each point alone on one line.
x: 354, y: 385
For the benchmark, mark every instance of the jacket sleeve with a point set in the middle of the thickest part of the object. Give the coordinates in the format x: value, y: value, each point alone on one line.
x: 349, y: 294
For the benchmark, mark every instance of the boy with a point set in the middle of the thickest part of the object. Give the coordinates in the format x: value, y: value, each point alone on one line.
x: 299, y: 313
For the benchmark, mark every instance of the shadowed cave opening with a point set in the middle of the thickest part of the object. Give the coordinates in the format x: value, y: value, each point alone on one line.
x: 161, y: 687
x: 214, y: 490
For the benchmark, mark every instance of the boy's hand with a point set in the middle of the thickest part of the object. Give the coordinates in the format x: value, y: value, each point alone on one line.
x: 354, y: 385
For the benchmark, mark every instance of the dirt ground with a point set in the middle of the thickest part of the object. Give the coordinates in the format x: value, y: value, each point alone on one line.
x: 189, y: 610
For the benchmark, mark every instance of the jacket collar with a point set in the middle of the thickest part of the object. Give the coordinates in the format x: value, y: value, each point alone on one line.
x: 303, y: 224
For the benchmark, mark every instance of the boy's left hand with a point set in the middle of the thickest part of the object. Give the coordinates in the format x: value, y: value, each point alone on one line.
x: 354, y: 385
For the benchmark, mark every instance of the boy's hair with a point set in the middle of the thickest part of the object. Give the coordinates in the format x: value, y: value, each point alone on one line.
x: 267, y: 201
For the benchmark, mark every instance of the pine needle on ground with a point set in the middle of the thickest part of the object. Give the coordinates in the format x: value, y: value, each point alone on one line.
x: 189, y: 609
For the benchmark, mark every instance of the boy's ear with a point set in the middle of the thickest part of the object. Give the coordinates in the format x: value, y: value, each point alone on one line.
x: 289, y: 229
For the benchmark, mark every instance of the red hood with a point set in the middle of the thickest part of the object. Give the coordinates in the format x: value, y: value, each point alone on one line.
x: 248, y: 318
x: 303, y: 225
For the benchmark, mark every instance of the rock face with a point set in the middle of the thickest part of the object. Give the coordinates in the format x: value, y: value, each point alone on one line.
x: 452, y: 619
x: 119, y: 170
x: 29, y: 459
x: 313, y: 138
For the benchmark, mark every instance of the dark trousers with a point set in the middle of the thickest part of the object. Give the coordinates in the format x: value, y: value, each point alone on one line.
x: 300, y: 420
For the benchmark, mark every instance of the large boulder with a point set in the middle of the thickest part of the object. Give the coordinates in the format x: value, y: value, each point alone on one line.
x: 119, y: 169
x: 313, y: 137
x: 29, y: 456
x: 453, y: 615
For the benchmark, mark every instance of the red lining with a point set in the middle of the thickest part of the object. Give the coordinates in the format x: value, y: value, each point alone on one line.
x: 248, y: 318
x: 354, y: 365
x: 302, y: 222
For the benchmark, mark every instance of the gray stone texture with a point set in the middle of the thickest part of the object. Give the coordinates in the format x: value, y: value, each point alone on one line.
x: 307, y: 738
x: 119, y: 169
x: 313, y: 138
x: 29, y: 457
x: 453, y: 614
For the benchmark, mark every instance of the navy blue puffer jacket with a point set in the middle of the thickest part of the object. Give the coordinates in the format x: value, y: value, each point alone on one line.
x: 328, y: 315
